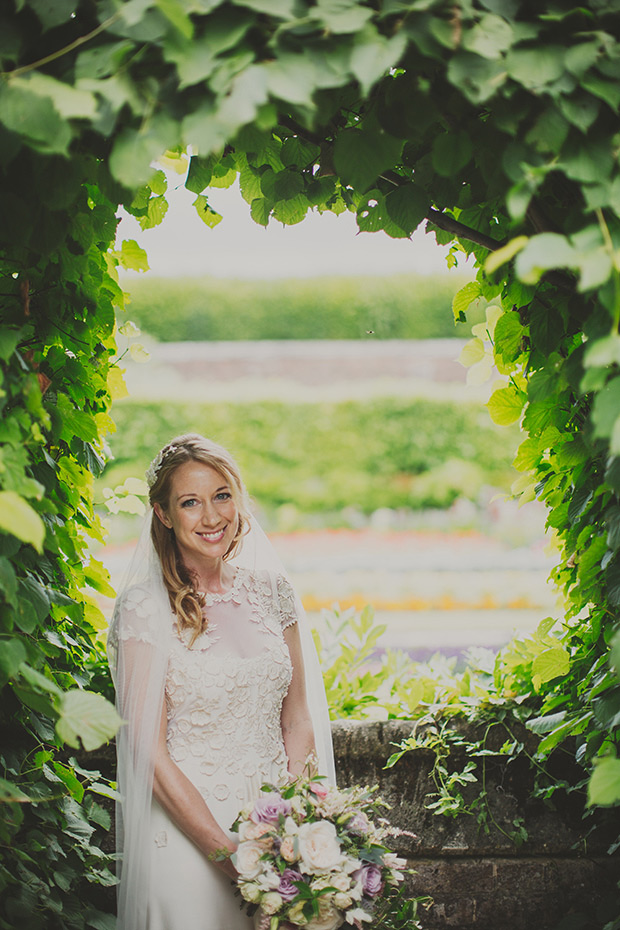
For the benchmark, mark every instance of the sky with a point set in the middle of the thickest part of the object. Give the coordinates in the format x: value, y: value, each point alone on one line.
x: 183, y: 246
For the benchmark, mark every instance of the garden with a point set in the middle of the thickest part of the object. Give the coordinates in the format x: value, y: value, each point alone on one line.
x: 495, y: 122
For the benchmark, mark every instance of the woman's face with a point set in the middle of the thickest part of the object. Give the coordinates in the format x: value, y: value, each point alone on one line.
x: 201, y: 511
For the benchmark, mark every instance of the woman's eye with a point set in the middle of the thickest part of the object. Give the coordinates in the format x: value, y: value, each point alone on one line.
x: 223, y: 496
x: 189, y: 502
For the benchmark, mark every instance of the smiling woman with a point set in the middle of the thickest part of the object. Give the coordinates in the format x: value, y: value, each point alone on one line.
x: 211, y: 675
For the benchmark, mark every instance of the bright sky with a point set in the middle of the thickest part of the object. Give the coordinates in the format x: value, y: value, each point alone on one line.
x: 238, y: 248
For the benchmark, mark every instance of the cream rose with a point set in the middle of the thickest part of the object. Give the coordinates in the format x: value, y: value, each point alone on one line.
x: 247, y: 859
x: 271, y: 902
x: 319, y: 847
x: 342, y: 900
x: 250, y: 892
x: 328, y: 918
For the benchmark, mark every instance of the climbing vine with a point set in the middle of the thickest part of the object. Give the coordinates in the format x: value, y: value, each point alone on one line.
x: 495, y: 121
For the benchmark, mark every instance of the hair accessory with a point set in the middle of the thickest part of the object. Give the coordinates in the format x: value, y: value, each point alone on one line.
x: 153, y: 469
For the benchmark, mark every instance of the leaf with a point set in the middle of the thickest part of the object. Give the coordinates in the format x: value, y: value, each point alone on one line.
x: 360, y: 156
x: 116, y: 383
x: 542, y: 252
x: 506, y: 405
x: 175, y: 13
x: 68, y: 778
x: 491, y: 36
x: 451, y: 152
x: 535, y: 67
x: 8, y: 580
x: 139, y: 353
x: 472, y: 352
x: 18, y: 517
x: 604, y: 784
x: 605, y: 408
x: 407, y: 206
x: 508, y: 335
x: 199, y: 174
x: 86, y: 719
x: 132, y: 256
x: 9, y: 340
x: 505, y: 254
x: 463, y: 298
x: 550, y: 664
x: 12, y: 654
x: 33, y: 118
x: 207, y: 214
x: 260, y: 210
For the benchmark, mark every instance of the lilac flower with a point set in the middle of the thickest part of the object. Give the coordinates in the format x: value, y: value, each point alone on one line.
x: 359, y: 824
x: 287, y: 889
x: 370, y: 878
x: 268, y: 807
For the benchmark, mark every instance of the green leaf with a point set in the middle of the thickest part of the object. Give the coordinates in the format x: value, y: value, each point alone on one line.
x: 199, y: 174
x: 33, y: 118
x: 542, y: 252
x: 360, y: 156
x: 506, y: 405
x: 86, y: 719
x: 18, y: 517
x: 298, y: 153
x: 550, y: 664
x: 505, y: 254
x: 407, y: 206
x: 12, y: 654
x: 174, y: 12
x: 605, y: 408
x: 9, y: 340
x: 535, y: 67
x: 463, y: 298
x: 604, y: 784
x: 68, y: 778
x: 8, y: 580
x: 373, y: 55
x: 491, y: 36
x: 132, y: 256
x: 260, y: 210
x: 134, y: 150
x: 451, y: 152
x: 207, y: 214
x: 508, y: 336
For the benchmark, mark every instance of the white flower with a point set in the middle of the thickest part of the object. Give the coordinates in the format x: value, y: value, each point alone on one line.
x: 297, y: 806
x: 249, y: 891
x: 247, y: 859
x: 290, y: 827
x: 357, y: 914
x: 271, y: 902
x: 319, y: 847
x: 328, y: 917
x: 269, y: 878
x: 342, y: 900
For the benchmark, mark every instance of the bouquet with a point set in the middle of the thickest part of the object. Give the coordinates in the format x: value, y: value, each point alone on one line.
x: 312, y: 856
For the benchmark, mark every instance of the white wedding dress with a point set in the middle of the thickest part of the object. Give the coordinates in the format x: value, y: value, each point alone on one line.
x: 223, y: 699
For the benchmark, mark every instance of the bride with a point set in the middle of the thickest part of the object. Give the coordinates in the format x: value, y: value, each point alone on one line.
x: 218, y: 686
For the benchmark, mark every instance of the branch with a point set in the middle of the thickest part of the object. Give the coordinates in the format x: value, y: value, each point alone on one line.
x: 62, y: 51
x: 449, y: 224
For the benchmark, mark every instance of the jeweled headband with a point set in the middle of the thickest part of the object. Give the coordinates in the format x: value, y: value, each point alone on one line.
x: 153, y: 469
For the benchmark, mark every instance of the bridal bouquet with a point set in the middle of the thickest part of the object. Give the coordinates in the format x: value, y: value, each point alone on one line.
x: 312, y: 856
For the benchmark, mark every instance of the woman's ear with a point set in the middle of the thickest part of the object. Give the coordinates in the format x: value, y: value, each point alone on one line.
x: 162, y: 515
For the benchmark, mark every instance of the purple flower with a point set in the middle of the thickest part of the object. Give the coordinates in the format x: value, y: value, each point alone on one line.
x: 358, y: 824
x: 370, y: 877
x: 287, y: 889
x: 268, y: 808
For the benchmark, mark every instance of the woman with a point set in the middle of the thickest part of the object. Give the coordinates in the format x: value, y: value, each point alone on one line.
x: 214, y: 678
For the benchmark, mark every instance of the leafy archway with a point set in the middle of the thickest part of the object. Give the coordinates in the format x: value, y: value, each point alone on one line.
x: 494, y: 120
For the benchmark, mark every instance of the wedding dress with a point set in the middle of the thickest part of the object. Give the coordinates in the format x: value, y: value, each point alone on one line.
x: 223, y: 696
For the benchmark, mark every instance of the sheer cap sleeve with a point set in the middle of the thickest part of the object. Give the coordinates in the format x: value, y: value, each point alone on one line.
x: 287, y: 602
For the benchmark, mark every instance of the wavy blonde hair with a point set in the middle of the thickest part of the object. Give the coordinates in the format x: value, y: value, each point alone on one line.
x: 185, y: 600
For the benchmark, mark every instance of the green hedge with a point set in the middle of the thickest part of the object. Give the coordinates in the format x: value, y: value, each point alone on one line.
x: 324, y: 457
x: 399, y: 307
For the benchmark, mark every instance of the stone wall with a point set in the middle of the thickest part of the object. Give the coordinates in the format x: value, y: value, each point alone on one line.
x: 560, y: 876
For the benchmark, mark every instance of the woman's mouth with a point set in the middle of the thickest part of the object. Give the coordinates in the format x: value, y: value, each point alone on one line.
x: 213, y: 537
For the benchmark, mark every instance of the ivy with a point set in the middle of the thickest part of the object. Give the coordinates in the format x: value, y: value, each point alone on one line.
x: 495, y: 122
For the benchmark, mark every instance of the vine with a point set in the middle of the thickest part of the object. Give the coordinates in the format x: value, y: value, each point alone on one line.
x: 494, y: 120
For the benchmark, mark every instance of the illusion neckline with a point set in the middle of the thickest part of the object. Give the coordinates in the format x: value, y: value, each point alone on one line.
x: 213, y: 597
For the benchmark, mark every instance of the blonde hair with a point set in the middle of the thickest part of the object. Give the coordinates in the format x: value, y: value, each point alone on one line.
x: 185, y: 600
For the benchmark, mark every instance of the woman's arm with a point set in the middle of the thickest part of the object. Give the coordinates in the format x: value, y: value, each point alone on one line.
x: 297, y: 731
x: 185, y: 805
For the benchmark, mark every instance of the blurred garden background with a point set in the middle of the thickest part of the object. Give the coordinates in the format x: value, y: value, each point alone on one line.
x: 372, y: 463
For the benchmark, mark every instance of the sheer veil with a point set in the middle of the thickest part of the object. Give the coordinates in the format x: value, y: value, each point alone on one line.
x: 138, y: 647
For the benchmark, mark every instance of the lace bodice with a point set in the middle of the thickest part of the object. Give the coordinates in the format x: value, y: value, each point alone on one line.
x: 224, y: 694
